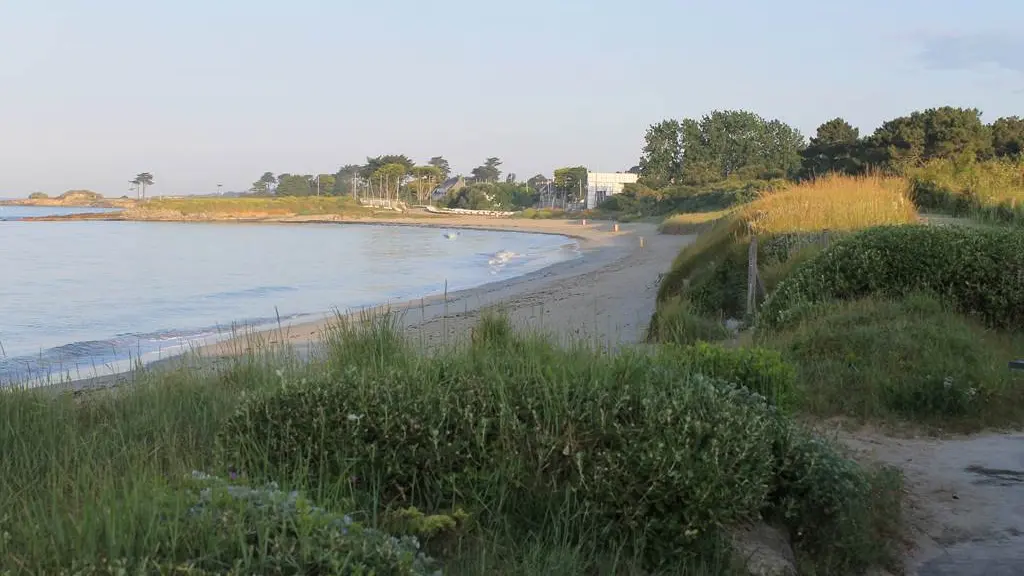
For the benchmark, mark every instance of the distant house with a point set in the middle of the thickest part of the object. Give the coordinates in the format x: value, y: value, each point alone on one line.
x: 450, y: 185
x: 601, y: 185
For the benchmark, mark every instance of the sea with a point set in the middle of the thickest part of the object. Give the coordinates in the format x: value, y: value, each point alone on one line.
x: 87, y: 298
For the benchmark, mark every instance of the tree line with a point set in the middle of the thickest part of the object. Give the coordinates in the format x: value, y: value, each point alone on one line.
x: 396, y: 177
x: 740, y: 144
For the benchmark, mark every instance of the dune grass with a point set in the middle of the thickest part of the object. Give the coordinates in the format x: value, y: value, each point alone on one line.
x: 524, y: 458
x: 691, y: 222
x: 990, y: 191
x: 833, y: 202
x: 270, y: 206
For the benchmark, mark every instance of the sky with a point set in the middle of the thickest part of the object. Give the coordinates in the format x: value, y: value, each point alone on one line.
x: 207, y: 92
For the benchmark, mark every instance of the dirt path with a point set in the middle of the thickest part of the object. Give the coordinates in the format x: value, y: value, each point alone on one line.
x: 965, y: 505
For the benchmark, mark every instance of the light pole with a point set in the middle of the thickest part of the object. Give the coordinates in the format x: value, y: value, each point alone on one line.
x: 317, y: 184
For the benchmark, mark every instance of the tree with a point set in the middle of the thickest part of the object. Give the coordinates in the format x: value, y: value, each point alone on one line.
x: 572, y: 182
x: 142, y: 180
x: 426, y: 179
x: 326, y: 184
x: 476, y: 196
x: 294, y: 185
x: 738, y: 143
x: 389, y: 179
x: 441, y: 164
x: 375, y: 164
x: 345, y: 180
x: 489, y: 172
x: 945, y: 132
x: 834, y: 148
x: 1008, y: 136
x: 720, y: 145
x: 510, y: 178
x: 662, y: 160
x: 538, y: 182
x: 265, y: 185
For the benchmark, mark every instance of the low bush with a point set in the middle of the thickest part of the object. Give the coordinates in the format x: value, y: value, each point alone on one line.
x: 617, y: 442
x: 979, y: 271
x: 910, y: 358
x: 675, y: 322
x: 211, y: 526
x: 644, y: 452
x: 758, y: 369
x: 842, y: 517
x: 38, y: 196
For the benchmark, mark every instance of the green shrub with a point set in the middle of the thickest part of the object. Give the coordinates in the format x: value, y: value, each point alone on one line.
x: 758, y: 369
x: 38, y: 196
x: 212, y: 526
x: 653, y: 454
x: 675, y: 322
x: 646, y: 451
x: 843, y: 517
x: 979, y: 271
x: 911, y: 358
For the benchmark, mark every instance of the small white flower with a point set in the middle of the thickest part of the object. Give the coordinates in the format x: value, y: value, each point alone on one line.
x: 354, y: 418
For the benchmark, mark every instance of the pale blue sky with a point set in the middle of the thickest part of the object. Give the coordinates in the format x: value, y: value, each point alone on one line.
x: 202, y: 92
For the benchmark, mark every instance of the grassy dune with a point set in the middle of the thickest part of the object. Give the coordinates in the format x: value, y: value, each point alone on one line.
x: 884, y: 318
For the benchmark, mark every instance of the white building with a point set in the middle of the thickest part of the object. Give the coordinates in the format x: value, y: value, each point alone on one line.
x: 601, y: 185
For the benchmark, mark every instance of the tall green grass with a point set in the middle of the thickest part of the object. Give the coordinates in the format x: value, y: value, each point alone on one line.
x: 991, y: 191
x: 911, y: 358
x: 525, y: 458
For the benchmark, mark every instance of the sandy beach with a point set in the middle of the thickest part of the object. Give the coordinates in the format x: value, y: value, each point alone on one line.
x: 604, y: 298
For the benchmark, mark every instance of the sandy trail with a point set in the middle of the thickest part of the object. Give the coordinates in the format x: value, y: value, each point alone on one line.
x: 965, y: 500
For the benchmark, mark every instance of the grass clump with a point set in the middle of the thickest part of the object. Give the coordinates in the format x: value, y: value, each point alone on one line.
x: 978, y: 271
x: 911, y: 358
x: 677, y: 323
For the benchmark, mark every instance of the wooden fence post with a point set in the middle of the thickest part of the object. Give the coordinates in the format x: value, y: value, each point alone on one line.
x: 752, y: 277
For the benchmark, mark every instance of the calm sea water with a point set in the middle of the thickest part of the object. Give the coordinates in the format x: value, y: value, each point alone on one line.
x: 82, y: 298
x: 16, y: 212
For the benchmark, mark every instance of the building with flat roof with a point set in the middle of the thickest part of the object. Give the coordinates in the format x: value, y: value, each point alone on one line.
x: 601, y: 185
